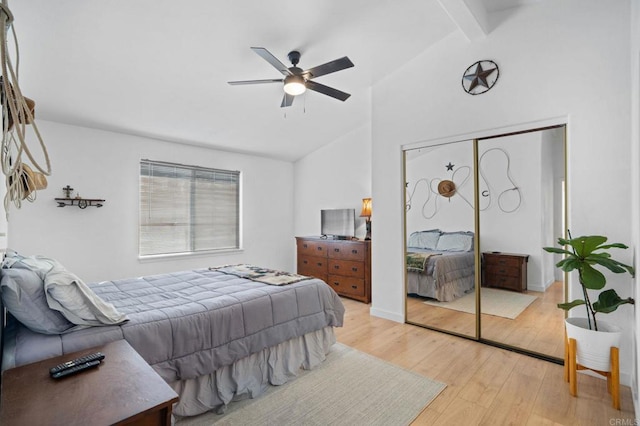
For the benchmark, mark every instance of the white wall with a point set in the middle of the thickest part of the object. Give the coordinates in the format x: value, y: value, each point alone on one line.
x: 334, y: 177
x: 101, y: 243
x: 551, y: 178
x: 558, y: 59
x: 506, y: 215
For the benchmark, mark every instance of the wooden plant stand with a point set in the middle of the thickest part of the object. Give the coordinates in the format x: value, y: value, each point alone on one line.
x: 571, y: 368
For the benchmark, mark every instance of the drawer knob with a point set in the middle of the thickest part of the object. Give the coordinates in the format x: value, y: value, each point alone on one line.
x: 354, y: 269
x: 319, y: 263
x: 354, y: 286
x: 305, y: 262
x: 354, y: 251
x: 305, y: 246
x: 336, y: 283
x: 337, y: 250
x: 319, y: 248
x: 336, y: 267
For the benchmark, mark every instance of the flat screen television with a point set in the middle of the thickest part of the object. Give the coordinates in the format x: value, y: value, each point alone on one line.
x: 338, y: 223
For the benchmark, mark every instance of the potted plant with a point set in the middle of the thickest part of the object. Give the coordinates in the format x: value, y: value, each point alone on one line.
x: 584, y: 254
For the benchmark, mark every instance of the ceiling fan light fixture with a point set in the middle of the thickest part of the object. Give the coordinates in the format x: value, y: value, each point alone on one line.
x: 294, y: 85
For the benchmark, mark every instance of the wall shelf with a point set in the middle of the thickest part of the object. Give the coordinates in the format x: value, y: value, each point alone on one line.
x: 82, y: 203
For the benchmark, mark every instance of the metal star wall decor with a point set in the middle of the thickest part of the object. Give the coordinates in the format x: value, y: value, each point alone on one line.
x: 449, y: 166
x: 480, y: 77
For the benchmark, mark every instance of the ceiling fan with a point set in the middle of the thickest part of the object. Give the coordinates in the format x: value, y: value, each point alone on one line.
x: 297, y: 81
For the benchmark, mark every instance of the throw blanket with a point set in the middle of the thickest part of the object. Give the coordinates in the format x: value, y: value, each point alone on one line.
x: 417, y: 262
x: 262, y: 275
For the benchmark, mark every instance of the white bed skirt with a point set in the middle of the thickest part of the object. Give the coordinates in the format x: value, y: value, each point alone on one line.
x: 250, y: 376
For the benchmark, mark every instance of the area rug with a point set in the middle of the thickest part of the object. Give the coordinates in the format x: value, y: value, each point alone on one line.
x: 501, y: 303
x: 349, y: 388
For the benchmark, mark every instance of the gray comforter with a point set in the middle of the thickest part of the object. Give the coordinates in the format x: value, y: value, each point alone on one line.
x: 446, y: 276
x: 191, y: 323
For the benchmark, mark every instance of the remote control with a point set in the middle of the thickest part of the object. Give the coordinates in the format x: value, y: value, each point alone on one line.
x: 98, y: 356
x: 75, y: 369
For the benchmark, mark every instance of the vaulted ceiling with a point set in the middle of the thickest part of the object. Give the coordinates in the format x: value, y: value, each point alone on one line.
x: 160, y: 68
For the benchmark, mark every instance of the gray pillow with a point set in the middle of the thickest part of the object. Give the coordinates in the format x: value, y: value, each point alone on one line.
x: 66, y: 294
x: 424, y: 239
x: 23, y: 296
x: 455, y: 241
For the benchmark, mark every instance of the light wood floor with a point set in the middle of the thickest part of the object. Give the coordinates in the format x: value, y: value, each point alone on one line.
x: 538, y: 328
x: 485, y: 385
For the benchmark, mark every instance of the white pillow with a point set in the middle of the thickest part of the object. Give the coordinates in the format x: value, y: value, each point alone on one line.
x: 76, y: 301
x: 455, y: 241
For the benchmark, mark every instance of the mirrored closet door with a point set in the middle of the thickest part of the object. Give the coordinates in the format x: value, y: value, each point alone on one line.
x: 477, y: 214
x: 440, y: 223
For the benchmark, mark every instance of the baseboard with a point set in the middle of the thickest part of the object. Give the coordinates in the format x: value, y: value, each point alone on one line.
x: 393, y: 316
x: 539, y: 287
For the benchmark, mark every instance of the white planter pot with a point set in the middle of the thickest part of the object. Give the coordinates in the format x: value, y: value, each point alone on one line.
x: 593, y: 347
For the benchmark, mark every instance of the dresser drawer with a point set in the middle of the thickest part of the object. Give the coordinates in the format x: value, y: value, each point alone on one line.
x: 312, y: 248
x: 498, y: 260
x: 348, y: 251
x: 348, y: 286
x: 313, y: 266
x: 509, y: 271
x: 501, y: 281
x: 347, y: 268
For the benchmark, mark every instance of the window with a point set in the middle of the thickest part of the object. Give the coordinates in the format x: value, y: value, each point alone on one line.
x: 187, y: 209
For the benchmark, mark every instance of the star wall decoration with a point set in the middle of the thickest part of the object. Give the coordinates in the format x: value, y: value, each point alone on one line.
x: 449, y: 166
x: 480, y: 77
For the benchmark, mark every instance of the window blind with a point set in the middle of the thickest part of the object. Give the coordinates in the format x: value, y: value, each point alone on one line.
x: 185, y: 209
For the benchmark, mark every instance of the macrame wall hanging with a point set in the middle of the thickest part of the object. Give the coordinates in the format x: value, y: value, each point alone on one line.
x: 23, y: 179
x: 435, y: 189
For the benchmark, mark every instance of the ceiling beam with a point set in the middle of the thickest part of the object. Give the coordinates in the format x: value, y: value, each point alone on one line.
x: 470, y: 16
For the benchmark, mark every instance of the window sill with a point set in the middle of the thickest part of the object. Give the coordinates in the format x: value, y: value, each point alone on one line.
x: 175, y: 256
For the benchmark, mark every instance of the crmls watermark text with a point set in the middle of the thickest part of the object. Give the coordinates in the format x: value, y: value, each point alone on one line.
x: 624, y: 422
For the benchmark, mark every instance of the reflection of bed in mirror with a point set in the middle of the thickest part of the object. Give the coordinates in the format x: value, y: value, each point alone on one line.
x: 440, y: 265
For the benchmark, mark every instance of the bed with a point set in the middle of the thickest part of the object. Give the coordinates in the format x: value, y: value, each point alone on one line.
x: 215, y: 335
x: 440, y: 265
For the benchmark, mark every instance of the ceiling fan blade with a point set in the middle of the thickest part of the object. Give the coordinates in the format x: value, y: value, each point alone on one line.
x: 267, y: 56
x: 329, y: 67
x: 236, y: 83
x: 287, y: 100
x: 326, y: 90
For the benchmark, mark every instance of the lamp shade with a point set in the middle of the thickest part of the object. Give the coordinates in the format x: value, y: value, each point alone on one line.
x: 366, y: 207
x: 294, y: 85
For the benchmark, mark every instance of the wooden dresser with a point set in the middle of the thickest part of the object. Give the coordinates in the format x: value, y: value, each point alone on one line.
x: 343, y: 264
x: 505, y: 270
